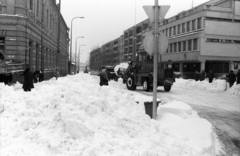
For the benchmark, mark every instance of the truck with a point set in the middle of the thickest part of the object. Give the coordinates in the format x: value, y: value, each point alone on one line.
x: 140, y: 73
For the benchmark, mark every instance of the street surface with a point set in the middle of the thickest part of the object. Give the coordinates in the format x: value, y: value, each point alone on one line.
x: 222, y: 109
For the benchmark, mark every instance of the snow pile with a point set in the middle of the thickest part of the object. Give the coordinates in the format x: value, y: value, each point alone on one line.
x: 186, y: 124
x: 217, y: 85
x: 123, y: 65
x: 235, y: 89
x: 75, y: 116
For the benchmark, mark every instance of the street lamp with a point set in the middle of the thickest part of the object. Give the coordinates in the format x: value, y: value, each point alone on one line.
x: 76, y: 52
x: 79, y: 62
x: 71, y: 43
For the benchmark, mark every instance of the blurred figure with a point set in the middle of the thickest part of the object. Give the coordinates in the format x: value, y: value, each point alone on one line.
x: 103, y: 77
x: 40, y: 76
x: 231, y: 78
x: 196, y: 76
x: 202, y: 75
x: 28, y: 79
x: 211, y: 76
x: 238, y: 76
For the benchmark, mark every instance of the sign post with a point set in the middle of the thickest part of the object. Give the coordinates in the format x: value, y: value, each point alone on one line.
x: 155, y: 14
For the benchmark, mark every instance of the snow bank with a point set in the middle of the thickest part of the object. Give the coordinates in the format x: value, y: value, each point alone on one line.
x: 217, y: 85
x: 185, y: 123
x: 235, y: 89
x: 75, y: 116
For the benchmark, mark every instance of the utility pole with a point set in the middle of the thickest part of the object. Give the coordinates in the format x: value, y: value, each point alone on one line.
x: 155, y: 54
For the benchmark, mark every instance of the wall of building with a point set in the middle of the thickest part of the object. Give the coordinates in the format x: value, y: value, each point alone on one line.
x: 31, y: 28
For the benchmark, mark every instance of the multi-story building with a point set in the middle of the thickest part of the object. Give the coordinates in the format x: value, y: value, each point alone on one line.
x: 206, y: 37
x: 33, y: 32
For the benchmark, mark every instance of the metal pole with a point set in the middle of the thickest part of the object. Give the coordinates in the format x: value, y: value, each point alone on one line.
x: 76, y: 53
x: 155, y: 66
x: 71, y: 44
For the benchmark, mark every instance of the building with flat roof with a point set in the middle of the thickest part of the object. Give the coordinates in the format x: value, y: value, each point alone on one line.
x: 206, y: 37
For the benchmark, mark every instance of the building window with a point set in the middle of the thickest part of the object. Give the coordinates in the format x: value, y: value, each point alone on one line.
x: 37, y: 8
x: 47, y: 18
x: 174, y: 30
x: 183, y: 28
x: 189, y: 45
x: 50, y: 22
x: 166, y: 32
x: 199, y: 23
x: 188, y: 26
x: 171, y: 48
x: 179, y: 47
x: 175, y: 47
x: 195, y: 44
x: 184, y: 45
x: 179, y: 29
x: 170, y: 31
x: 31, y: 5
x: 193, y: 25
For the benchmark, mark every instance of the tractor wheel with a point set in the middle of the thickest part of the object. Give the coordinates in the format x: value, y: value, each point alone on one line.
x: 146, y: 85
x: 167, y: 88
x: 130, y: 83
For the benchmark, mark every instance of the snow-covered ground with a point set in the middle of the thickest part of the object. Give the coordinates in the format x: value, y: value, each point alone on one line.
x: 75, y: 116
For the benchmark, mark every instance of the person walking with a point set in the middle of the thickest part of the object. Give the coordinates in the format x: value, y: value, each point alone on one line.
x: 238, y: 77
x: 103, y: 78
x: 196, y: 76
x: 211, y: 76
x: 231, y: 78
x: 28, y: 80
x: 202, y: 75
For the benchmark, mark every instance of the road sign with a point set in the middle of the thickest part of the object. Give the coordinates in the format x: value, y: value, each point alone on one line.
x: 148, y: 42
x: 162, y: 43
x: 150, y: 11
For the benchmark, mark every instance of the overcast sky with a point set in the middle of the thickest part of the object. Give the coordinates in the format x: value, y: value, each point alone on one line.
x: 106, y: 20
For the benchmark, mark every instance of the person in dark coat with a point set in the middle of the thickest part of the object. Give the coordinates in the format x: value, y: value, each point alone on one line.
x: 196, y: 76
x: 238, y: 76
x: 202, y: 75
x: 211, y: 76
x: 231, y: 78
x: 103, y: 78
x: 40, y: 76
x: 28, y: 80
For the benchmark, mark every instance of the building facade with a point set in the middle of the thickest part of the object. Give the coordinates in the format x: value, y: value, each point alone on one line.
x: 34, y: 33
x: 206, y: 37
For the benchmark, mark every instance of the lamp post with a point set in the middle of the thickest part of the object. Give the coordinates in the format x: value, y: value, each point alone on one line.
x: 76, y: 52
x: 71, y: 44
x: 79, y: 55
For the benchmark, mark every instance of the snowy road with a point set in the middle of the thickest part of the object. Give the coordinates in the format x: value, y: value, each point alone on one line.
x: 222, y: 109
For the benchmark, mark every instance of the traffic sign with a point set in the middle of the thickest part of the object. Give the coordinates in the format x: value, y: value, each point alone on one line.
x: 149, y: 9
x: 148, y: 42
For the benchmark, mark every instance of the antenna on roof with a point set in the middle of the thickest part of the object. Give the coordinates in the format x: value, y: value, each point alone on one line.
x: 192, y: 3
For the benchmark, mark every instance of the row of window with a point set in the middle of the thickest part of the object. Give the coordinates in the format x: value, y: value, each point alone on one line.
x: 183, y: 46
x: 50, y: 19
x: 222, y: 40
x: 183, y: 28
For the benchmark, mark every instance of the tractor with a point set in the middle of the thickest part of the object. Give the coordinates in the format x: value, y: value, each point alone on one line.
x: 140, y: 73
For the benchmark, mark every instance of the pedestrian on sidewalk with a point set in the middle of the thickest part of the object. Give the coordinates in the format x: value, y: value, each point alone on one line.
x: 238, y: 77
x: 231, y: 78
x: 202, y: 75
x: 196, y: 76
x: 211, y: 76
x: 28, y: 79
x: 103, y: 77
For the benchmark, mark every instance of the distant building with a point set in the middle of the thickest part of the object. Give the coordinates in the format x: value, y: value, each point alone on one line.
x: 29, y: 35
x: 206, y: 37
